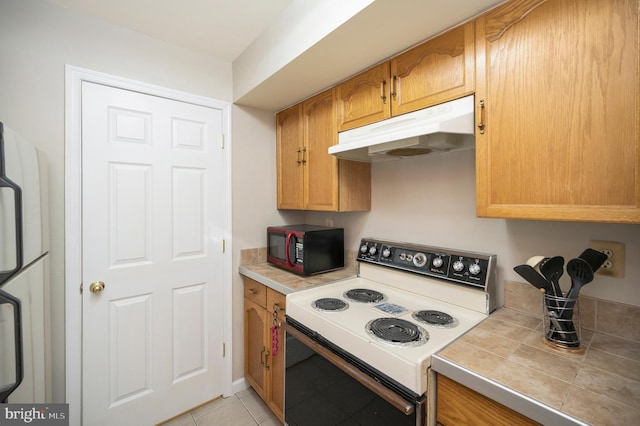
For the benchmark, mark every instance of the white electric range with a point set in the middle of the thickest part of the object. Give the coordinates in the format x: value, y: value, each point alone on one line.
x: 408, y: 302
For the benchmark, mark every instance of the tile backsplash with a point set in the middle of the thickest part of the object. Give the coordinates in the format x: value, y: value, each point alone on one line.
x: 602, y: 316
x: 253, y: 256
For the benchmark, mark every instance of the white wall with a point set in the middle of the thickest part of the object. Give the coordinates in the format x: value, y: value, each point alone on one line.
x: 254, y: 202
x: 431, y: 200
x: 37, y: 39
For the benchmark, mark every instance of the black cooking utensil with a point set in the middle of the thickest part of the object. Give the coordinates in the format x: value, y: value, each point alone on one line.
x: 552, y: 270
x: 594, y: 258
x: 533, y: 277
x: 581, y: 274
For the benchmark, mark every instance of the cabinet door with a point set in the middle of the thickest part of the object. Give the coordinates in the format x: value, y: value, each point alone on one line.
x: 458, y: 405
x: 364, y: 99
x: 256, y: 346
x: 438, y: 70
x: 276, y: 302
x: 559, y: 84
x: 321, y: 169
x: 290, y: 158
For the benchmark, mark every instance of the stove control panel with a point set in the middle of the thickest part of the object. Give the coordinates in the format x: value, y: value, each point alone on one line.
x: 471, y: 269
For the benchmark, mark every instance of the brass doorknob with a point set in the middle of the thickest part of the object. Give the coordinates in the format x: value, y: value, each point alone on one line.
x: 96, y: 287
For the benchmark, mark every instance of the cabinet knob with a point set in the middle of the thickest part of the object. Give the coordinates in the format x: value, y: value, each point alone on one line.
x: 254, y: 291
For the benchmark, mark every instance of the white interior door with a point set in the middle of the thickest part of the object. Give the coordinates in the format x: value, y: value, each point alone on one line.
x: 151, y: 225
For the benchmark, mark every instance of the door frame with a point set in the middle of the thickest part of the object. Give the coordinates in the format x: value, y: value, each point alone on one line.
x: 74, y: 76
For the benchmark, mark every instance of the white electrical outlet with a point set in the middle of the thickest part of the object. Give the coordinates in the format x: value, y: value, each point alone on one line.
x: 328, y: 223
x: 614, y: 265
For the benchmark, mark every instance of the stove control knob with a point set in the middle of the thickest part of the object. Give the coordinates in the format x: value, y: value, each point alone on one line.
x: 363, y: 248
x: 474, y: 269
x: 458, y: 266
x: 438, y: 262
x: 386, y: 252
x: 373, y: 251
x: 419, y: 259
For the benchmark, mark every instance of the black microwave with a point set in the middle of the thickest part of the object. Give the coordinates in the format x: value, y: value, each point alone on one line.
x: 305, y: 249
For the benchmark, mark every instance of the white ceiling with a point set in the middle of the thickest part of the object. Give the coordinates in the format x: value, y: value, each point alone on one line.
x: 221, y: 28
x: 225, y: 29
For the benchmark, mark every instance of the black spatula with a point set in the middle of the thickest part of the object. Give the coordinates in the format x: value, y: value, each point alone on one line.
x: 552, y: 270
x: 581, y: 274
x: 533, y: 277
x: 594, y: 258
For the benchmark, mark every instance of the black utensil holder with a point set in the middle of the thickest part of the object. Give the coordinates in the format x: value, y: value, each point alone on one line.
x: 561, y: 322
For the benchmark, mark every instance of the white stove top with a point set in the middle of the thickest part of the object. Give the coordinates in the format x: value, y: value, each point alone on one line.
x: 347, y: 328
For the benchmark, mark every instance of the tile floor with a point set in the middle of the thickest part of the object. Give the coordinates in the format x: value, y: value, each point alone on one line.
x: 242, y: 409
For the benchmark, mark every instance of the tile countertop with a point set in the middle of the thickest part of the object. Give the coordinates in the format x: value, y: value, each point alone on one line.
x: 253, y: 264
x: 505, y: 359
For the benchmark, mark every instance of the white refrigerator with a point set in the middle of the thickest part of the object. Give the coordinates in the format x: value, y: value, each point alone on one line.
x: 25, y: 355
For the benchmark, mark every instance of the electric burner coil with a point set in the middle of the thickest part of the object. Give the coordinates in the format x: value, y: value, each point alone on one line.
x: 397, y: 332
x: 364, y: 295
x: 329, y: 304
x: 435, y: 318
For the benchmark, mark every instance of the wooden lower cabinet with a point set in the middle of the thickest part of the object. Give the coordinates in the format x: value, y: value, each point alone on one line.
x: 264, y: 369
x: 458, y: 405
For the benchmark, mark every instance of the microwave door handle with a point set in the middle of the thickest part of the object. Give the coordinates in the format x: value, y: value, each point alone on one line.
x: 288, y: 244
x: 5, y: 182
x: 17, y: 335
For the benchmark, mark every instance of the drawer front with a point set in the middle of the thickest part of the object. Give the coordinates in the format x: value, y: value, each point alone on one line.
x: 255, y: 292
x: 276, y: 301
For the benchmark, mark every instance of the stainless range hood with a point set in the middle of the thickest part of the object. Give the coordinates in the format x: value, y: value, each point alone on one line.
x: 441, y: 128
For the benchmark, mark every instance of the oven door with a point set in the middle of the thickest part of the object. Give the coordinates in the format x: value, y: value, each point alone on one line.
x: 327, y: 386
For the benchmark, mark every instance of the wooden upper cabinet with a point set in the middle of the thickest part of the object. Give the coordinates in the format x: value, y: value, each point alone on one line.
x: 559, y: 83
x: 308, y: 177
x: 364, y: 99
x: 289, y: 158
x: 438, y: 70
x: 321, y: 171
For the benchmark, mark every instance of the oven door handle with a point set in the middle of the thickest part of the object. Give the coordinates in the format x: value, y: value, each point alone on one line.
x: 380, y: 390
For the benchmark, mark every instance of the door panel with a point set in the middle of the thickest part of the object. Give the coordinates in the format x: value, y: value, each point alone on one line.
x: 130, y: 349
x: 189, y: 315
x: 188, y: 215
x: 152, y: 340
x: 129, y: 213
